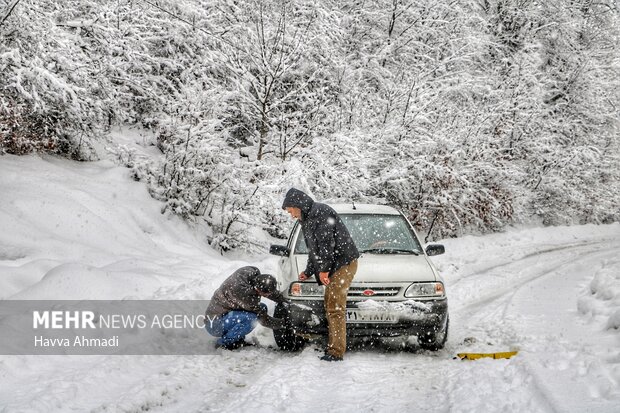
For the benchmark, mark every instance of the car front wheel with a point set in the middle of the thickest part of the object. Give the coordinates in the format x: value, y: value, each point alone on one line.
x: 286, y: 339
x: 434, y: 341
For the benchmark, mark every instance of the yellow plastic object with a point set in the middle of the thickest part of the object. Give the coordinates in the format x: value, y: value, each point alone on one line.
x: 476, y: 356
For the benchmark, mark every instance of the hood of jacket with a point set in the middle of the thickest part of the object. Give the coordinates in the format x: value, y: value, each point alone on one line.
x: 298, y: 199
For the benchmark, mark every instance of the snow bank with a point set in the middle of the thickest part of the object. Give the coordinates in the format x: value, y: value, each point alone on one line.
x: 601, y: 299
x: 85, y: 230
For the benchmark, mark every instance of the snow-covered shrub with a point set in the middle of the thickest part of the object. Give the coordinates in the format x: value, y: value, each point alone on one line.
x: 71, y: 71
x: 203, y: 178
x: 447, y: 196
x: 45, y: 99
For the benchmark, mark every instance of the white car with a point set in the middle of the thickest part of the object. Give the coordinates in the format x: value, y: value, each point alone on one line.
x: 396, y: 291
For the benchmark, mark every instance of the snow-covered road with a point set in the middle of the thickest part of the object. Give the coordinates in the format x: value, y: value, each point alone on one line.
x: 531, y: 304
x: 551, y: 293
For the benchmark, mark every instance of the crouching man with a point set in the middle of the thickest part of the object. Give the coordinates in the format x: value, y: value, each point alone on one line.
x: 235, y: 307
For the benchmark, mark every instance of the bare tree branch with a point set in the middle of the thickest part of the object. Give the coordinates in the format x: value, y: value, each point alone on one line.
x: 8, y: 12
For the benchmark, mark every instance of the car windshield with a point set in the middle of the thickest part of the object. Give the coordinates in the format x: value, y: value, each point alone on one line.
x: 376, y: 234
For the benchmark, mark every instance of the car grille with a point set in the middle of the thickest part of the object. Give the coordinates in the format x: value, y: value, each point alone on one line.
x: 377, y: 291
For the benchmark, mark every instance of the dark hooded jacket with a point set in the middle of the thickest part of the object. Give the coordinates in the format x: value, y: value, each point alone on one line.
x: 329, y: 243
x: 238, y: 292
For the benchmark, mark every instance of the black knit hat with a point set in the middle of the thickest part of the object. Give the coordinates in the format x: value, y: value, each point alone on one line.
x: 266, y: 284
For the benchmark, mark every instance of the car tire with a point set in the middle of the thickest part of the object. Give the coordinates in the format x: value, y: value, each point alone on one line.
x: 285, y: 338
x: 434, y: 341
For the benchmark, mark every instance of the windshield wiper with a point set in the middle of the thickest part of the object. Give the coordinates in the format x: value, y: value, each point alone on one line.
x: 389, y: 251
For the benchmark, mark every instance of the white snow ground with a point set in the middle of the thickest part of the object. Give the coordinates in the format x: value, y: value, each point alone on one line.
x: 87, y: 231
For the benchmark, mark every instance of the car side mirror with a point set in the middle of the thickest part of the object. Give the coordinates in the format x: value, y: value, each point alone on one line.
x: 435, y: 249
x: 279, y: 250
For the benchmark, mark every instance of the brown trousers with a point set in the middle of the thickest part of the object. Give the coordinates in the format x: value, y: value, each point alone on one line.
x: 335, y: 306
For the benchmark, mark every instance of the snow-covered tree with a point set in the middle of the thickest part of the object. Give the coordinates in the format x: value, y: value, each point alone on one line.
x: 466, y: 115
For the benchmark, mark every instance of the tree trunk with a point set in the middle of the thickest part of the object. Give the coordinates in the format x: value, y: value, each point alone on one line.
x: 263, y: 131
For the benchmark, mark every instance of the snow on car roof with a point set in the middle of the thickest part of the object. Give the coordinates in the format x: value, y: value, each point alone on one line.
x: 364, y: 209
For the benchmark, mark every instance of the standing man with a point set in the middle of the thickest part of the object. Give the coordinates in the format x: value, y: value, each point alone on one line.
x: 235, y: 307
x: 332, y: 260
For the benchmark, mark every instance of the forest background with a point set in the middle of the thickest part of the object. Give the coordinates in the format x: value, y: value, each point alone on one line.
x: 467, y: 115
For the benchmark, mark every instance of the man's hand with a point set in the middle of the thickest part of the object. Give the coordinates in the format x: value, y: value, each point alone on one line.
x: 324, y: 276
x: 303, y: 276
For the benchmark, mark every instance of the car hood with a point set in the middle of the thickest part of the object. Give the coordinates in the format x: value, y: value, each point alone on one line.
x: 387, y: 268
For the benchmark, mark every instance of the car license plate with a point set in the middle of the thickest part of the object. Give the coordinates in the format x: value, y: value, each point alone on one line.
x: 365, y: 316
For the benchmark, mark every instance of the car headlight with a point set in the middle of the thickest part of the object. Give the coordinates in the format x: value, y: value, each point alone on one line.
x: 425, y: 290
x: 306, y: 289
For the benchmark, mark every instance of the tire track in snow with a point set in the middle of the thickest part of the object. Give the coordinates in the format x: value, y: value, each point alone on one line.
x: 567, y: 264
x: 360, y: 383
x: 496, y: 305
x: 262, y: 380
x: 500, y: 292
x: 546, y: 250
x: 544, y: 387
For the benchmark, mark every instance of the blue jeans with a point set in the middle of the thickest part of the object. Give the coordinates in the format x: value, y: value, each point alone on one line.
x: 232, y: 326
